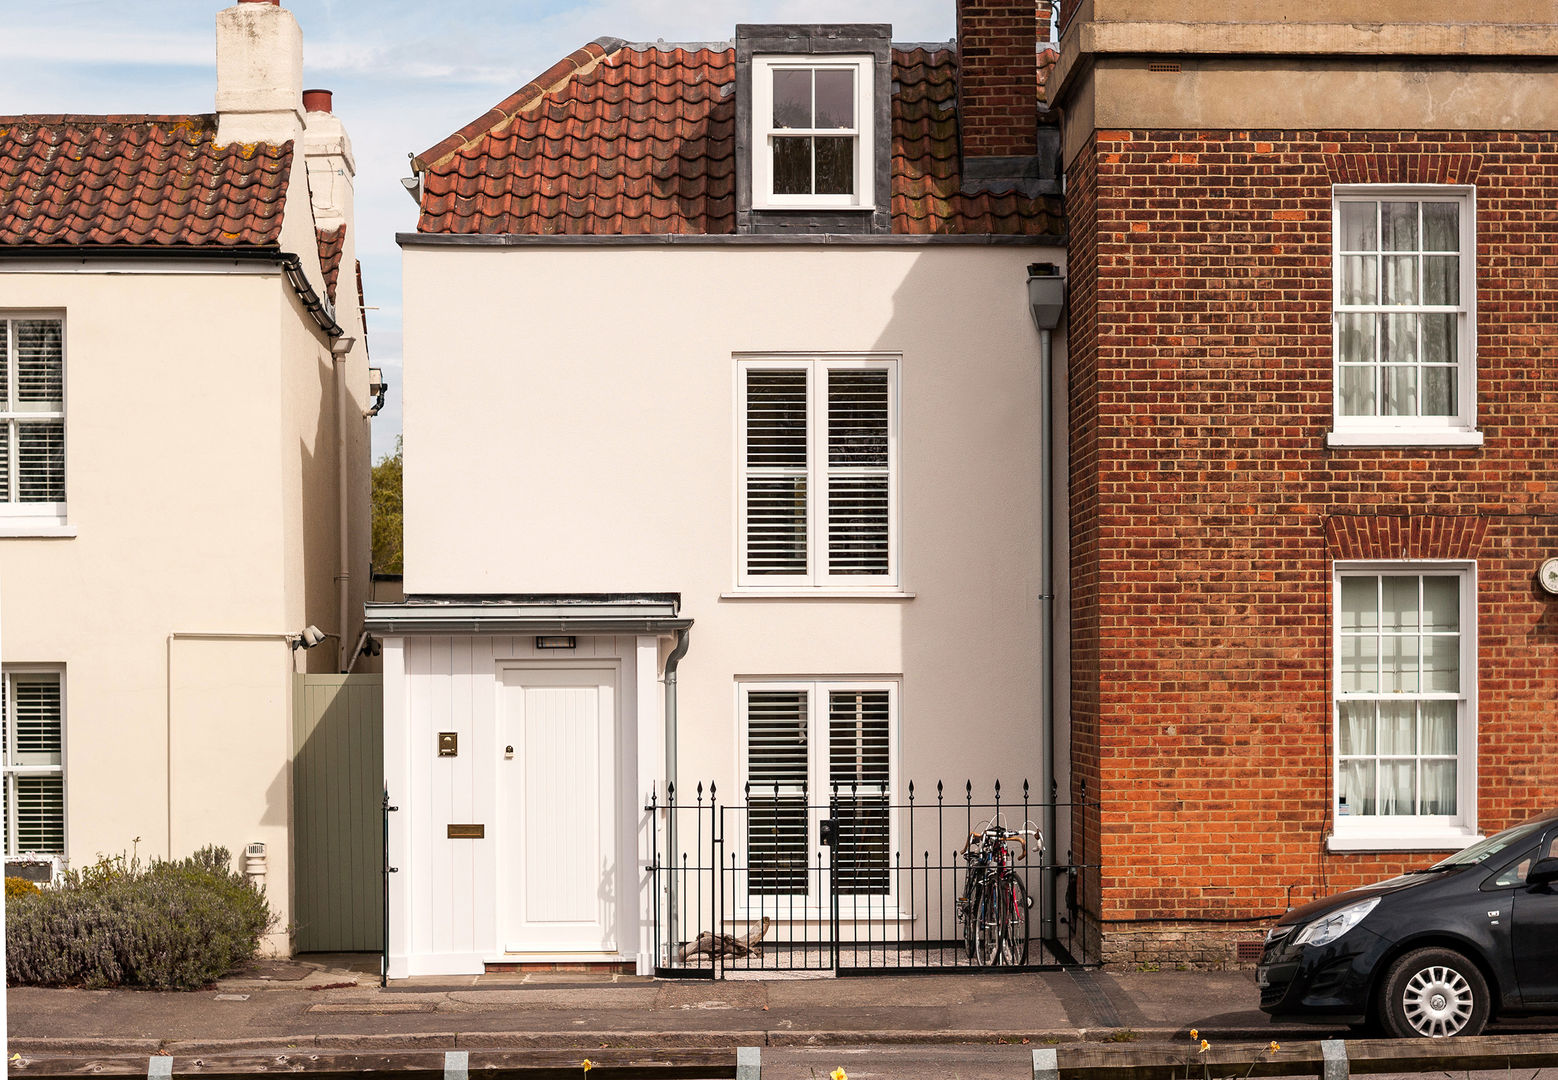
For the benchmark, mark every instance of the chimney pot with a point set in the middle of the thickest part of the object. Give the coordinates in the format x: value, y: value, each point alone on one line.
x: 317, y: 101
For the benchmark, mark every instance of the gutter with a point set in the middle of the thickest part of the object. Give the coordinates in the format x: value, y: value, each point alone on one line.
x: 318, y: 307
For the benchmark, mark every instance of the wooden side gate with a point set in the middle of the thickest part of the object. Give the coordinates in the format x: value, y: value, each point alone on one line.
x: 337, y: 787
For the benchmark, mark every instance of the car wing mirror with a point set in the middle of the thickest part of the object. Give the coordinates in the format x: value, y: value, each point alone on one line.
x: 1545, y: 872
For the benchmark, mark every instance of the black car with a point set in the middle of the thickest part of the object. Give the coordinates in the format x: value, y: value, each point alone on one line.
x: 1434, y: 952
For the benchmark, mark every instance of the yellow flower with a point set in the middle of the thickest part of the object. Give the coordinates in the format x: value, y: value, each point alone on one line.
x: 587, y: 1064
x: 1205, y: 1045
x: 838, y: 1074
x: 1273, y: 1047
x: 1194, y: 1034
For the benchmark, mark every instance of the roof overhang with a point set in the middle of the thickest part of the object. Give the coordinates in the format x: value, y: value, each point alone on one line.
x: 547, y: 613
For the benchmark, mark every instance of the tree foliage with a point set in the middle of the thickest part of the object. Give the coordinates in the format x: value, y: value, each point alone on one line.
x: 387, y: 513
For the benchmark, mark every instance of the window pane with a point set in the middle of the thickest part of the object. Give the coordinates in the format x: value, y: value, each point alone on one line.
x: 1399, y: 391
x: 1399, y: 220
x: 792, y: 166
x: 1359, y: 391
x: 1441, y: 664
x: 857, y: 418
x: 776, y: 418
x: 40, y: 813
x: 1439, y: 338
x: 5, y: 368
x: 1359, y: 666
x: 1441, y: 603
x: 1355, y: 787
x: 1398, y: 665
x: 1398, y: 339
x: 1439, y: 787
x: 6, y: 429
x: 1360, y: 226
x: 1360, y: 604
x: 1441, y: 279
x: 792, y: 98
x: 1397, y: 728
x: 835, y: 99
x: 858, y: 766
x: 778, y: 826
x: 40, y: 371
x: 776, y: 525
x: 1400, y: 280
x: 1398, y: 787
x: 835, y: 166
x: 1439, y: 722
x: 1441, y: 226
x: 36, y: 738
x: 40, y: 461
x: 1360, y: 283
x: 858, y: 516
x: 1355, y: 728
x: 1357, y: 338
x: 1398, y: 598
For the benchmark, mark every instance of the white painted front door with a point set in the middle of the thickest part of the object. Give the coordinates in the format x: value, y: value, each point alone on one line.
x: 558, y: 779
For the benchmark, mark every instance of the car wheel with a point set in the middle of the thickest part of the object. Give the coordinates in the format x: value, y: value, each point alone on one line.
x: 1434, y: 993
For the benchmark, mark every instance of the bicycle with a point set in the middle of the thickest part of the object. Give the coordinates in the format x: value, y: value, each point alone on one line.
x: 994, y: 906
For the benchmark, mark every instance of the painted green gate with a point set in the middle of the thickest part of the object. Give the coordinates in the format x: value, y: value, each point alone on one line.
x: 337, y: 785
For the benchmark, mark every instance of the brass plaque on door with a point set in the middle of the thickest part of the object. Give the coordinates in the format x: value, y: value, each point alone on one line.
x: 467, y: 832
x: 448, y: 744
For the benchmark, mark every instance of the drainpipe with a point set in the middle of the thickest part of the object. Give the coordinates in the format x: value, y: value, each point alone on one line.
x: 671, y: 662
x: 339, y: 348
x: 1047, y: 301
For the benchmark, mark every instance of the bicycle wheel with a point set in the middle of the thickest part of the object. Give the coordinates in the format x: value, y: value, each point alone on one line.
x: 968, y: 911
x: 987, y: 925
x: 1014, y: 921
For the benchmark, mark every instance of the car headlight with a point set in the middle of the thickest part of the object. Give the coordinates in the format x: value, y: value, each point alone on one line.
x: 1325, y: 930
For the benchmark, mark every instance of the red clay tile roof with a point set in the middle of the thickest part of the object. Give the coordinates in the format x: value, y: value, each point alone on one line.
x: 641, y: 140
x: 331, y: 242
x: 137, y: 180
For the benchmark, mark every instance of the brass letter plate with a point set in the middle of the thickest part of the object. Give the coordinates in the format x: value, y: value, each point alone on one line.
x: 467, y: 832
x: 448, y: 744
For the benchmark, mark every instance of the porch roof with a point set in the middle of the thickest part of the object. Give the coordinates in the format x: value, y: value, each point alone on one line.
x: 530, y: 613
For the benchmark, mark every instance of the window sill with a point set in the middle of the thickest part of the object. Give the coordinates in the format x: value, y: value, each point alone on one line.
x: 1438, y: 840
x: 1443, y: 437
x: 41, y: 529
x: 817, y: 594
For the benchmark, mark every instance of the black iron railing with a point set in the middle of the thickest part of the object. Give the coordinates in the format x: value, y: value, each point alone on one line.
x: 851, y: 881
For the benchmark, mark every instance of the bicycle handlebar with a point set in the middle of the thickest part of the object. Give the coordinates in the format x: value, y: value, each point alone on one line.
x: 1001, y: 837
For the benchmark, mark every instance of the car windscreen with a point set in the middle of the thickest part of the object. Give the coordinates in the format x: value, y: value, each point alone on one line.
x: 1493, y: 845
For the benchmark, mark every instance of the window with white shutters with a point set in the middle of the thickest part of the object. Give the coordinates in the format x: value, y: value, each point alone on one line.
x: 33, y: 762
x: 818, y: 490
x: 807, y: 744
x: 32, y: 417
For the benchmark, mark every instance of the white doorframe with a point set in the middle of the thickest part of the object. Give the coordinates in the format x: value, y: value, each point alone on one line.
x: 510, y: 868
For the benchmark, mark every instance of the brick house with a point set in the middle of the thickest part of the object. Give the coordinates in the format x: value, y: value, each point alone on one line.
x: 1312, y: 473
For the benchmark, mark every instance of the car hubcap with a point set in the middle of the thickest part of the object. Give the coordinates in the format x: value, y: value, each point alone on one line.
x: 1437, y: 1002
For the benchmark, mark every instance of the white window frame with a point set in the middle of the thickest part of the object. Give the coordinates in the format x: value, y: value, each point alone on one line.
x: 763, y: 132
x: 1378, y: 430
x: 8, y: 770
x: 32, y: 518
x: 814, y: 905
x: 1411, y: 832
x: 817, y: 579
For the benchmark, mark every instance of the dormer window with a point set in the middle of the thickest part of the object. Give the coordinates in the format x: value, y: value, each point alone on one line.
x: 813, y: 143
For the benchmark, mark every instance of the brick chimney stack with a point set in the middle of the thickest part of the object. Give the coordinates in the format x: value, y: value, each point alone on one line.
x: 259, y: 73
x: 998, y: 43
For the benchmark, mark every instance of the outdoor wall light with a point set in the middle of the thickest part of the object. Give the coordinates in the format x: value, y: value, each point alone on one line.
x: 556, y: 641
x: 308, y: 637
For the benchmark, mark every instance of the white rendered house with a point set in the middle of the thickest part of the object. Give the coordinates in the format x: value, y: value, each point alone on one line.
x: 724, y: 467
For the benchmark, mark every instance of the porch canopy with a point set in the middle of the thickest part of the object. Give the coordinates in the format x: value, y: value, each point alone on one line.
x: 580, y: 614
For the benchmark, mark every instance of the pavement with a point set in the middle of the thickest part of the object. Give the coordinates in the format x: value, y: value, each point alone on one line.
x: 905, y: 1025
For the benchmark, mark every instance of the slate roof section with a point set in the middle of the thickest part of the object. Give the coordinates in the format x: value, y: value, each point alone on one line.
x: 150, y: 181
x: 640, y: 139
x: 331, y: 243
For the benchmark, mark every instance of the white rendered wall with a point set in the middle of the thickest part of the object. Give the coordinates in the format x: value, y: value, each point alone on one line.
x: 570, y: 428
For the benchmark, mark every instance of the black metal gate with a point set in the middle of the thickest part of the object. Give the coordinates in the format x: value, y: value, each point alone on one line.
x: 851, y: 883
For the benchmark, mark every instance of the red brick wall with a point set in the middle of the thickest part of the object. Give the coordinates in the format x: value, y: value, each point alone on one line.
x: 1207, y: 506
x: 997, y: 72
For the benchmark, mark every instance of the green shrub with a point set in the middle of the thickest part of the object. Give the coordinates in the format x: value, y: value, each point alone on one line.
x: 15, y: 886
x: 167, y: 925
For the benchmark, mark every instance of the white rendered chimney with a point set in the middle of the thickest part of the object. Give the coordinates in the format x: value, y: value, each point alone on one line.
x: 331, y: 166
x: 259, y: 73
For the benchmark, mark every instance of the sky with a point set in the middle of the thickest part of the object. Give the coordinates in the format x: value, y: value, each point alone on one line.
x: 405, y: 74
